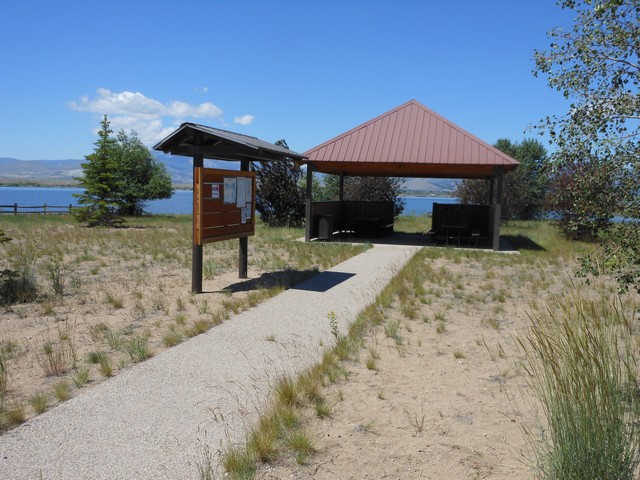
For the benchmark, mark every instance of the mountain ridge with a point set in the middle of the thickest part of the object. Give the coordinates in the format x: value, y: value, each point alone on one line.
x: 179, y: 168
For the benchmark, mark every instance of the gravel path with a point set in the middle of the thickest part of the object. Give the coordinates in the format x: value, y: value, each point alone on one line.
x: 154, y: 420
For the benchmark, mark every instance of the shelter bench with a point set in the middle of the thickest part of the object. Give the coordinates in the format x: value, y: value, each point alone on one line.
x: 463, y: 224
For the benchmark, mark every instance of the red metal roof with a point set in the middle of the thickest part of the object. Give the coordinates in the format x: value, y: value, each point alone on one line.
x: 410, y: 140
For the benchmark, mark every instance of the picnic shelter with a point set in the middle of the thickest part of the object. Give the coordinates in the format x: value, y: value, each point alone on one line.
x: 408, y: 141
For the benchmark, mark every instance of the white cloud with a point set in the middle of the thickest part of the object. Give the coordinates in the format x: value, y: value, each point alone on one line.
x: 146, y: 116
x: 244, y: 120
x: 182, y: 109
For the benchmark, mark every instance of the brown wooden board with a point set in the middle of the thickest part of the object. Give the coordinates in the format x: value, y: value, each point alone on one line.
x: 224, y: 205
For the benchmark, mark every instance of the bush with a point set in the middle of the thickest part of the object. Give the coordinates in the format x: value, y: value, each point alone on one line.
x: 618, y: 256
x: 584, y: 197
x: 17, y: 286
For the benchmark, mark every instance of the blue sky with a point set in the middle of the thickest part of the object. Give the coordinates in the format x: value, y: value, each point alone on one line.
x: 304, y: 71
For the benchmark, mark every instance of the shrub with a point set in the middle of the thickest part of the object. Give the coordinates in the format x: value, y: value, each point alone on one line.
x: 18, y: 286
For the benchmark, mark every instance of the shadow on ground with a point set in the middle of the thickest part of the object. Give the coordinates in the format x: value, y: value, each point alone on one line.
x: 324, y: 281
x: 308, y: 280
x: 521, y: 242
x: 284, y: 278
x: 396, y: 238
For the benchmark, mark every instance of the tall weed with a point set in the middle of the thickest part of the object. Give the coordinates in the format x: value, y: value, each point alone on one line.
x: 581, y: 360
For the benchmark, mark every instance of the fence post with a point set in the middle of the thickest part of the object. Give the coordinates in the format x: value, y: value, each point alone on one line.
x: 15, y: 209
x: 44, y: 209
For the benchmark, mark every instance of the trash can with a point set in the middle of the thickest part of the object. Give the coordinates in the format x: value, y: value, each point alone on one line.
x: 325, y: 227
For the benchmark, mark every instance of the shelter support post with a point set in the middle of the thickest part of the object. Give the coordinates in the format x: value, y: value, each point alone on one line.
x: 341, y: 191
x: 196, y: 254
x: 309, y: 199
x: 491, y: 191
x: 497, y: 207
x: 243, y: 242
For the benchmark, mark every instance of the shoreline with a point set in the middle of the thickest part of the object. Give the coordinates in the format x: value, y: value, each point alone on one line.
x: 70, y: 183
x: 62, y: 183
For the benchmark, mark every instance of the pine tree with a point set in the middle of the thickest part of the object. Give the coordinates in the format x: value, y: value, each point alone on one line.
x: 100, y: 201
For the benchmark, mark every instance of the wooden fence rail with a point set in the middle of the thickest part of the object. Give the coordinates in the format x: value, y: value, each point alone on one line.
x: 45, y: 209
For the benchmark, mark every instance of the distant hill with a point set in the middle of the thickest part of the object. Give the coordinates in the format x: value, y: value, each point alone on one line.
x: 435, y: 185
x: 179, y: 168
x: 29, y: 169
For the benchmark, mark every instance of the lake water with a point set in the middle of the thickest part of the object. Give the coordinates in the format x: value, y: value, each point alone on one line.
x: 179, y: 203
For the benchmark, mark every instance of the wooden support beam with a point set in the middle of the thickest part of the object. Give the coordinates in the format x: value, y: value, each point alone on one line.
x: 196, y: 253
x: 497, y: 207
x: 309, y: 199
x: 491, y: 190
x: 243, y: 242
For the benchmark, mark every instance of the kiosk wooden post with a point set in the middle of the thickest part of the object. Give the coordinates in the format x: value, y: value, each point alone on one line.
x: 196, y: 252
x: 223, y: 209
x: 243, y: 242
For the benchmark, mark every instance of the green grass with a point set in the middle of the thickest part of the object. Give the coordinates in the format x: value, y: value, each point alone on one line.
x: 263, y: 441
x: 138, y: 348
x: 391, y: 329
x: 302, y: 445
x: 112, y: 338
x: 199, y: 327
x: 412, y: 224
x: 81, y: 377
x: 39, y: 402
x: 96, y: 357
x: 371, y: 362
x: 15, y: 414
x: 61, y: 390
x: 286, y: 392
x: 323, y: 409
x: 4, y: 373
x: 105, y: 367
x: 416, y: 418
x: 239, y: 463
x: 56, y: 357
x: 172, y: 337
x: 114, y: 301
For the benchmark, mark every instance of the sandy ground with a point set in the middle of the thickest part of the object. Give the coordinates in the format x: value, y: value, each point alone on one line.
x: 125, y: 292
x: 444, y: 398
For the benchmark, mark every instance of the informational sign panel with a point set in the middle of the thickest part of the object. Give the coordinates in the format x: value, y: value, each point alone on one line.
x: 224, y: 205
